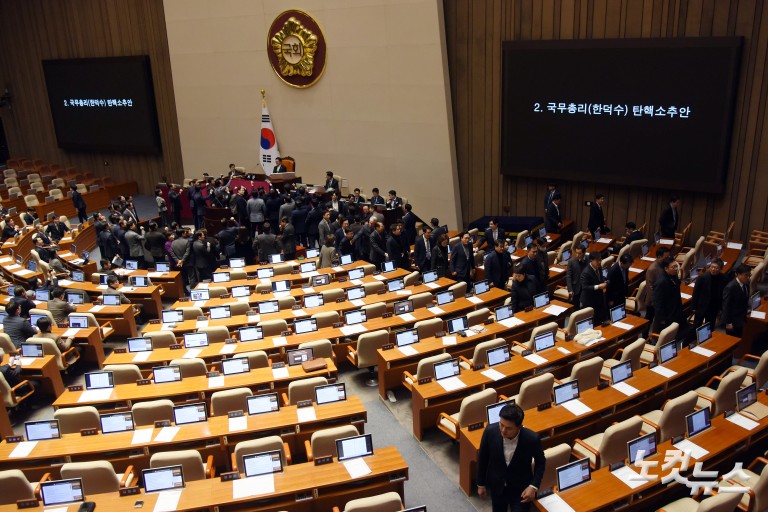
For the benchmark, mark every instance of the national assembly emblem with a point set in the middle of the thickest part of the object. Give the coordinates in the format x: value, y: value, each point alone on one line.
x: 296, y: 48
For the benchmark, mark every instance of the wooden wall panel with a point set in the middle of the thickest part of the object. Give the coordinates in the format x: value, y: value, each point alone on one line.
x: 475, y: 71
x: 34, y: 30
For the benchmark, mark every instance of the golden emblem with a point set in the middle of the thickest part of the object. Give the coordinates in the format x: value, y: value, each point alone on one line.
x: 298, y: 51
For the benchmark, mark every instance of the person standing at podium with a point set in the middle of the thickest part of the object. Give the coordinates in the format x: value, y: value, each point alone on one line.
x: 279, y: 167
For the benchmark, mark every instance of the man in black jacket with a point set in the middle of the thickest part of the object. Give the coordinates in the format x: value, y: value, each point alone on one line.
x: 707, y: 297
x: 463, y: 260
x: 504, y: 468
x: 79, y: 203
x: 523, y: 290
x: 736, y: 301
x: 592, y: 286
x: 631, y: 234
x: 576, y: 266
x: 554, y: 219
x: 670, y: 218
x: 9, y: 231
x: 378, y: 246
x: 618, y: 277
x: 492, y: 234
x: 597, y: 216
x: 497, y: 265
x: 287, y: 239
x: 422, y: 249
x: 667, y: 302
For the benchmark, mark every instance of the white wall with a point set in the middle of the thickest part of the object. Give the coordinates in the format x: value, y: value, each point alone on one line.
x: 380, y: 116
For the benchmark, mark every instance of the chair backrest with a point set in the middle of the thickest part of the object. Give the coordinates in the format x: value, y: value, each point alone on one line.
x: 608, y: 262
x: 263, y: 444
x: 9, y: 399
x: 147, y: 413
x: 190, y: 367
x: 636, y: 248
x: 723, y: 502
x: 217, y: 291
x: 228, y: 400
x: 256, y: 358
x: 536, y: 390
x: 286, y: 302
x: 326, y: 318
x: 548, y: 327
x: 282, y: 269
x: 757, y: 277
x: 472, y: 409
x: 34, y: 177
x: 98, y: 476
x: 375, y: 310
x: 520, y: 241
x: 613, y: 447
x: 373, y: 287
x: 672, y: 420
x: 587, y: 372
x: 478, y: 316
x: 426, y: 366
x: 191, y: 463
x: 161, y: 339
x: 239, y: 308
x: 566, y: 245
x: 304, y: 389
x: 459, y: 289
x: 323, y: 442
x: 367, y: 345
x: 632, y: 353
x: 15, y: 487
x: 577, y: 238
x: 49, y: 349
x: 31, y: 200
x: 6, y: 344
x: 14, y: 190
x: 576, y: 317
x: 216, y: 333
x: 556, y: 456
x: 273, y: 327
x: 332, y: 295
x: 421, y: 300
x: 124, y: 373
x: 191, y: 312
x: 386, y: 502
x: 480, y: 357
x: 666, y: 335
x: 761, y: 370
x: 428, y: 328
x: 236, y: 274
x: 320, y: 348
x: 760, y: 490
x: 725, y: 396
x: 74, y: 419
x: 411, y: 278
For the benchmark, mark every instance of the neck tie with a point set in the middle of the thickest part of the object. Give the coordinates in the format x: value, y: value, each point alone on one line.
x: 744, y: 289
x: 495, y: 235
x: 426, y: 244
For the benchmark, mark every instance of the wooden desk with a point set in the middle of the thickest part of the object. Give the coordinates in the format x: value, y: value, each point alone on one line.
x: 43, y: 369
x: 173, y: 286
x: 97, y: 200
x: 196, y: 388
x: 557, y: 424
x: 6, y: 429
x: 89, y: 339
x: 148, y: 296
x: 120, y: 317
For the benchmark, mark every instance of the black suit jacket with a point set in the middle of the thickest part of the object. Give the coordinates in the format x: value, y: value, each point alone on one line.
x: 596, y: 218
x: 497, y: 268
x: 420, y: 254
x: 735, y: 304
x: 667, y: 302
x: 554, y: 217
x: 708, y: 295
x: 493, y: 471
x: 616, y: 292
x: 460, y: 263
x: 332, y: 183
x: 573, y: 275
x: 500, y: 235
x: 522, y: 293
x: 378, y: 249
x: 668, y: 221
x: 279, y: 168
x: 591, y: 298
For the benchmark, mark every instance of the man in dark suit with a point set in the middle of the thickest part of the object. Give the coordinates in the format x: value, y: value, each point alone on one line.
x: 618, y: 278
x: 375, y: 197
x: 530, y: 265
x: 437, y: 230
x: 9, y: 231
x: 422, y: 249
x: 497, y: 264
x: 707, y: 297
x: 576, y: 266
x: 524, y: 287
x: 652, y: 275
x: 287, y: 238
x: 554, y: 219
x: 631, y: 234
x: 409, y: 224
x: 57, y: 229
x: 79, y: 203
x: 667, y: 302
x: 394, y: 202
x: 462, y: 262
x: 279, y: 167
x: 378, y: 246
x: 670, y: 218
x: 597, y: 216
x: 551, y: 191
x: 736, y: 301
x: 331, y: 183
x: 504, y: 468
x: 493, y: 233
x: 592, y: 287
x: 362, y: 240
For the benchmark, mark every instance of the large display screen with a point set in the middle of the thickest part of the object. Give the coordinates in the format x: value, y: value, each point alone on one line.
x: 638, y: 112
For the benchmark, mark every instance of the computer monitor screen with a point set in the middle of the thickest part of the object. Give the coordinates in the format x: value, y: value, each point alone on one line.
x: 645, y: 248
x: 565, y: 256
x: 313, y: 300
x: 276, y: 258
x: 116, y: 422
x: 754, y: 300
x: 163, y: 479
x: 388, y: 266
x: 110, y: 299
x: 313, y: 253
x: 32, y: 350
x: 646, y: 443
x: 235, y: 365
x: 260, y: 404
x: 189, y: 413
x: 621, y: 372
x: 746, y: 396
x: 162, y: 374
x: 492, y: 411
x: 172, y: 315
x: 219, y: 312
x: 703, y: 333
x: 43, y: 295
x: 402, y: 307
x: 394, y: 285
x: 445, y: 297
x: 430, y: 277
x: 268, y: 306
x: 162, y: 266
x: 355, y: 293
x: 497, y: 355
x: 252, y: 333
x: 131, y: 265
x: 42, y: 430
x: 540, y: 300
x: 407, y: 337
x: 103, y: 279
x: 198, y: 295
x: 330, y: 393
x: 305, y: 325
x: 542, y: 232
x: 528, y: 240
x: 585, y: 244
x: 573, y: 474
x: 298, y: 356
x: 357, y: 273
x: 263, y: 463
x: 605, y: 273
x: 457, y: 325
x: 99, y: 380
x: 281, y: 286
x: 221, y: 277
x: 237, y: 262
x: 618, y: 314
x: 33, y: 317
x: 56, y: 492
x: 566, y: 392
x: 240, y: 291
x: 139, y: 344
x: 321, y: 280
x: 357, y: 316
x: 583, y: 325
x: 346, y: 259
x: 481, y: 287
x: 445, y: 369
x: 503, y: 312
x: 265, y: 273
x: 667, y: 351
x: 139, y: 281
x: 75, y: 298
x: 544, y: 341
x: 195, y: 339
x: 78, y: 322
x: 697, y: 422
x: 352, y: 447
x: 309, y: 266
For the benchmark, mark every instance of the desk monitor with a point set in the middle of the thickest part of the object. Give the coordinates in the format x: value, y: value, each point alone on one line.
x: 198, y: 295
x: 352, y: 447
x: 313, y: 300
x: 116, y: 422
x: 219, y: 312
x: 566, y: 392
x: 99, y: 380
x: 573, y: 474
x: 403, y: 307
x: 110, y: 299
x: 355, y: 293
x: 276, y: 258
x: 459, y: 324
x: 503, y: 312
x: 445, y: 297
x: 543, y: 232
x: 298, y: 356
x: 481, y: 287
x: 240, y: 291
x: 645, y: 248
x: 33, y: 318
x: 189, y: 413
x: 265, y: 273
x: 540, y: 300
x: 528, y: 240
x: 346, y: 259
x: 139, y: 281
x: 236, y: 262
x: 78, y: 276
x: 313, y: 253
x: 305, y: 325
x: 388, y: 266
x: 330, y: 393
x: 260, y: 404
x: 605, y: 273
x: 357, y: 273
x: 565, y: 256
x: 221, y: 277
x: 31, y: 350
x: 162, y: 266
x: 195, y: 339
x: 754, y: 301
x: 172, y: 315
x: 645, y: 443
x: 235, y: 365
x: 694, y: 273
x: 309, y: 266
x: 43, y: 295
x: 492, y: 411
x: 321, y: 280
x: 544, y: 341
x: 19, y: 259
x: 32, y: 265
x: 117, y: 261
x: 394, y: 285
x: 139, y: 344
x: 703, y: 333
x: 131, y: 265
x: 618, y: 313
x: 584, y: 244
x: 430, y: 277
x: 75, y: 298
x: 356, y: 316
x: 697, y: 422
x: 163, y: 479
x: 42, y: 430
x: 103, y: 279
x: 268, y: 306
x: 621, y: 372
x: 250, y: 333
x: 497, y: 355
x: 446, y: 369
x: 78, y: 322
x: 407, y: 337
x: 163, y: 374
x: 667, y: 352
x: 583, y: 325
x: 746, y: 396
x: 281, y: 286
x: 57, y: 492
x: 598, y: 235
x: 263, y: 463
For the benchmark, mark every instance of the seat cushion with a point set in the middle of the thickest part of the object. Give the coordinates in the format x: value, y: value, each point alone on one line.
x: 682, y: 505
